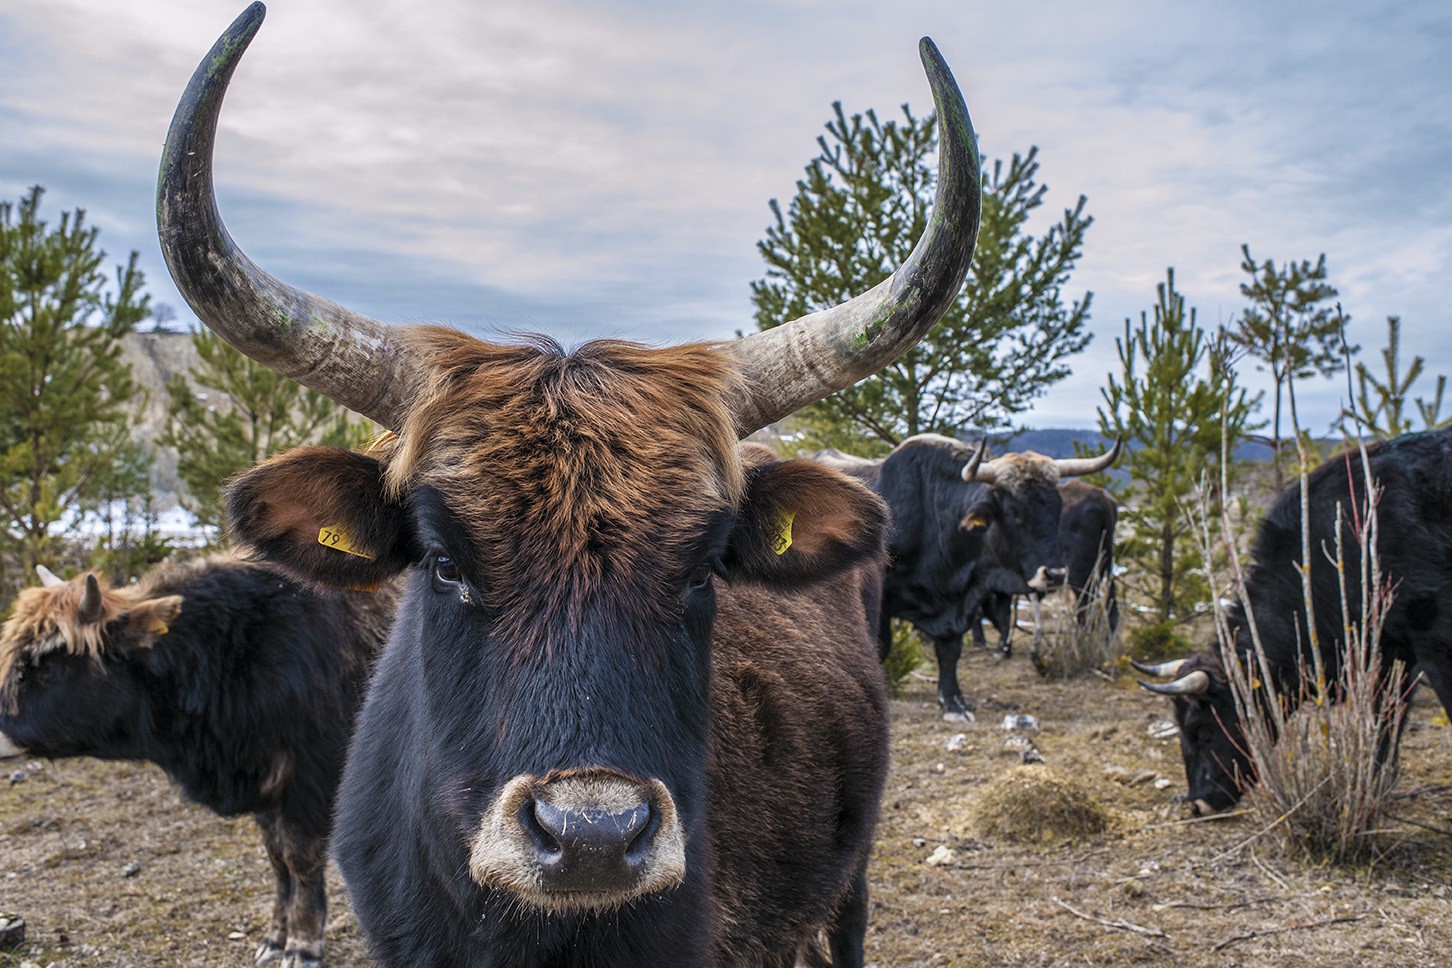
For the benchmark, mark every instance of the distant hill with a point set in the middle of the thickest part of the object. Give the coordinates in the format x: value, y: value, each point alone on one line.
x: 1059, y: 442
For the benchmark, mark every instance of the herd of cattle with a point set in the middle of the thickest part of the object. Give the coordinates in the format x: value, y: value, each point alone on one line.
x: 568, y: 674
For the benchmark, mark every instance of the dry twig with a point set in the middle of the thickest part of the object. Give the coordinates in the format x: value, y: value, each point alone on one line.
x: 1121, y: 924
x: 1246, y: 936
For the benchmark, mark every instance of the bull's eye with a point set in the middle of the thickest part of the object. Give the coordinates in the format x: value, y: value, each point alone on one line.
x: 446, y: 572
x: 700, y: 579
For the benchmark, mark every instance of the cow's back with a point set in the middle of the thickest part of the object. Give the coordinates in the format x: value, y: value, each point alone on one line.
x: 798, y: 758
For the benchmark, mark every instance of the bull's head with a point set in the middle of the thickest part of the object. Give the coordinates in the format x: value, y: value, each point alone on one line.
x: 64, y: 677
x: 564, y: 517
x: 1211, y: 738
x: 1019, y: 510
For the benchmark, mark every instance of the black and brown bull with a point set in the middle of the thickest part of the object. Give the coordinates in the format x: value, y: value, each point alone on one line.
x: 967, y: 533
x: 630, y: 713
x: 237, y: 681
x: 1414, y: 547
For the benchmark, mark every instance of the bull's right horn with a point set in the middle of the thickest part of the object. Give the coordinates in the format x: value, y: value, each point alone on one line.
x: 48, y: 578
x: 1193, y: 684
x: 356, y: 361
x: 976, y: 470
x: 91, y: 602
x: 1164, y: 670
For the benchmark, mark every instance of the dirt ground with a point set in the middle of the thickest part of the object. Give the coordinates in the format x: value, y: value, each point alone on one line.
x: 109, y: 868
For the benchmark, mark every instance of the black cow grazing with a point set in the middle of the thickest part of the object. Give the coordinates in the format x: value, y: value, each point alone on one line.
x: 965, y: 529
x: 238, y: 682
x: 630, y: 713
x: 1415, y: 549
x: 1086, y: 543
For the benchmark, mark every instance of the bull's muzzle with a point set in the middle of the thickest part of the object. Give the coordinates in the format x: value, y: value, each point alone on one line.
x: 8, y: 748
x: 590, y: 840
x: 1048, y: 579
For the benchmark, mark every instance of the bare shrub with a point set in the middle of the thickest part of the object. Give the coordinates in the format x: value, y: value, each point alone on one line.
x: 1078, y: 640
x: 1325, y: 758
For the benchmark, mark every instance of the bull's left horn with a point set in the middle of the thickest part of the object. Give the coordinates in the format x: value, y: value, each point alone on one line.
x: 809, y: 358
x: 1193, y: 684
x: 1079, y: 466
x: 357, y: 361
x: 48, y: 578
x: 91, y: 603
x: 1164, y: 670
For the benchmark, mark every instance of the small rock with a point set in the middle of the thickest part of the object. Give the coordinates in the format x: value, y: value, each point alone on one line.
x: 1163, y: 783
x: 942, y: 854
x: 1018, y: 743
x: 1162, y: 729
x: 236, y: 936
x: 957, y: 742
x: 131, y: 869
x: 17, y: 777
x: 940, y: 767
x: 1022, y: 723
x: 1032, y: 755
x: 920, y: 842
x: 12, y: 931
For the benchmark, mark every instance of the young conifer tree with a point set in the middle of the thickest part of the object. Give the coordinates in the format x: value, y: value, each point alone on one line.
x: 67, y: 397
x: 229, y: 412
x: 858, y: 210
x: 1166, y: 405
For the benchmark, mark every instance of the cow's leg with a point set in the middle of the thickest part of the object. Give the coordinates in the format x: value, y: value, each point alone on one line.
x: 949, y: 648
x: 274, y: 942
x: 307, y: 914
x: 850, y: 927
x: 980, y: 641
x: 999, y: 608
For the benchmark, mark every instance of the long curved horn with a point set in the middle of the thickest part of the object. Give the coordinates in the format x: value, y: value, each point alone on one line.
x: 802, y: 361
x: 90, y: 608
x: 975, y: 471
x: 1196, y: 682
x: 48, y: 578
x: 351, y: 358
x: 1164, y: 670
x: 1079, y: 466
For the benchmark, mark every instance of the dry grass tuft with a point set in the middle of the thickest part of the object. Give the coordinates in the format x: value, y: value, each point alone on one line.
x: 1034, y: 805
x: 1077, y: 642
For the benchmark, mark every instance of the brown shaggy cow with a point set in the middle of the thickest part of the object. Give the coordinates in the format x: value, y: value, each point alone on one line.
x: 630, y: 712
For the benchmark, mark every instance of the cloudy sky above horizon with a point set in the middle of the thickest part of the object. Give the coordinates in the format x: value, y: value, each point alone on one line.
x: 591, y: 169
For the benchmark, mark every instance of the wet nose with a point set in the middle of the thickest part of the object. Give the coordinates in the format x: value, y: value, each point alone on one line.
x: 585, y: 849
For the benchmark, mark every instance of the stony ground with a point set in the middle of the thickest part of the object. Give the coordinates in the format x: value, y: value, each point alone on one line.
x: 109, y: 868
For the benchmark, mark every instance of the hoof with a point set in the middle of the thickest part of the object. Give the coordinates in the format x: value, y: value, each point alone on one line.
x: 960, y: 716
x: 267, y: 952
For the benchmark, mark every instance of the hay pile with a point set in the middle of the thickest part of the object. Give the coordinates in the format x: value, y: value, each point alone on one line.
x: 1034, y: 805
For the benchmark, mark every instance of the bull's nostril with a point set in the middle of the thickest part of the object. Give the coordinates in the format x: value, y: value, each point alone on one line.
x: 538, y: 827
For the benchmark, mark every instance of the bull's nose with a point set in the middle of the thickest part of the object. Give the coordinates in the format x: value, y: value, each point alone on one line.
x: 585, y: 849
x: 1056, y: 576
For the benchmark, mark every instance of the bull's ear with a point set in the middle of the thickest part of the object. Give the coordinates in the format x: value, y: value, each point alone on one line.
x: 802, y: 521
x: 979, y: 516
x: 151, y: 618
x: 323, y: 515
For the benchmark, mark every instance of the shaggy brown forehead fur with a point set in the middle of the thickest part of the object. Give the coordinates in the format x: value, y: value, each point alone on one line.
x: 573, y: 473
x: 1025, y: 469
x: 45, y: 619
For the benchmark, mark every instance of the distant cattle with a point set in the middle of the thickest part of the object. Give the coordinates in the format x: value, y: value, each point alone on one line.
x: 1086, y: 544
x: 1415, y: 549
x: 630, y: 714
x: 965, y: 532
x: 238, y: 682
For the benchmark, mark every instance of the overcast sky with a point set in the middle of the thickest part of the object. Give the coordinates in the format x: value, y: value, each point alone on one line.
x: 604, y: 168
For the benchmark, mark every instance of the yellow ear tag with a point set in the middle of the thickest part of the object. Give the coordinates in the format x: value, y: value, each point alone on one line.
x: 158, y: 627
x: 333, y: 536
x: 974, y: 521
x: 782, y: 540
